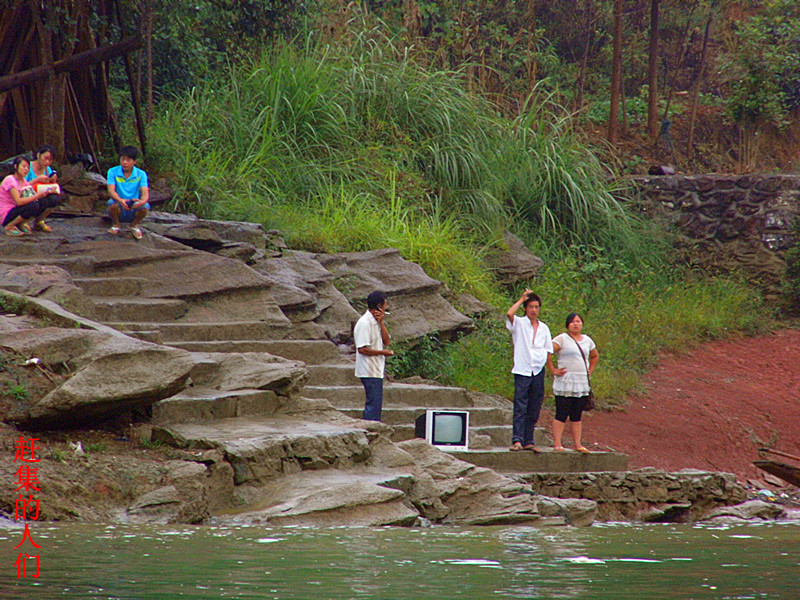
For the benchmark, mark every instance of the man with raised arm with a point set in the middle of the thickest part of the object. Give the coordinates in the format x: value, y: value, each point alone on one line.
x: 532, y: 345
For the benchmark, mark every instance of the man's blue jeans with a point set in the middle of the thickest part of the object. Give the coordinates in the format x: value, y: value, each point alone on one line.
x: 528, y: 396
x: 373, y: 387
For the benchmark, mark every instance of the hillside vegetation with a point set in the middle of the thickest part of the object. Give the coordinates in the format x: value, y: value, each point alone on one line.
x: 357, y: 146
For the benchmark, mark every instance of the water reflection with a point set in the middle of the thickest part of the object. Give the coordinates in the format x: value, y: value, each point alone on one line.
x: 608, y: 561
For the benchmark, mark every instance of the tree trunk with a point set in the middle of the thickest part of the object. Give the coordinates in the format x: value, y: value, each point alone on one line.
x: 149, y: 49
x: 699, y: 82
x: 585, y: 58
x: 616, y: 75
x: 652, y: 72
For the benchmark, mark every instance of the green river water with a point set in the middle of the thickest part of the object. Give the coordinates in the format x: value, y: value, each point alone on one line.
x: 606, y: 561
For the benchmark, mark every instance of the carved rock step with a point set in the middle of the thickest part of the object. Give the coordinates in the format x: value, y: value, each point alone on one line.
x: 186, y: 332
x: 311, y: 352
x: 431, y: 396
x: 394, y: 416
x: 262, y: 449
x: 202, y: 404
x: 75, y: 265
x: 110, y: 308
x: 500, y: 435
x: 503, y: 460
x: 342, y: 373
x: 111, y: 286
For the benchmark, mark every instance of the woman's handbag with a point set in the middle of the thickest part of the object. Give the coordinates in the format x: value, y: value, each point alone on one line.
x: 590, y: 399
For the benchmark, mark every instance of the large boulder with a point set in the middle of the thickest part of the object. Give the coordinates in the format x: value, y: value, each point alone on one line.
x: 416, y: 305
x: 473, y: 495
x: 107, y: 374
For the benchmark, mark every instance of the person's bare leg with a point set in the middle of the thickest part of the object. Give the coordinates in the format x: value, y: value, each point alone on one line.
x: 114, y: 211
x: 14, y: 225
x: 139, y: 217
x: 558, y: 431
x: 576, y: 428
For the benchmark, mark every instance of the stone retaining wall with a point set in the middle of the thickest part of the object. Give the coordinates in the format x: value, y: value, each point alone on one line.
x: 729, y: 222
x: 645, y: 494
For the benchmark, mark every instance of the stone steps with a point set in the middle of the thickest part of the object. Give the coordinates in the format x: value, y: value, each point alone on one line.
x: 75, y: 265
x: 430, y: 396
x: 342, y: 373
x: 500, y: 435
x: 140, y: 258
x: 203, y: 404
x: 111, y: 286
x: 114, y: 308
x: 394, y: 415
x: 311, y: 352
x: 546, y: 461
x: 196, y: 332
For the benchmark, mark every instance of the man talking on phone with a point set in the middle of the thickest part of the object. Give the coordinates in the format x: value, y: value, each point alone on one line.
x: 370, y: 336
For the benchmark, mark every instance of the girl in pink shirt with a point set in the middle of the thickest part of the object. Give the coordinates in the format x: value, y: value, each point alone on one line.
x: 18, y: 206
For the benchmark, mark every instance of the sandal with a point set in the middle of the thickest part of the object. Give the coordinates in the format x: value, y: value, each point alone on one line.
x: 516, y: 447
x: 14, y: 232
x: 582, y: 450
x: 25, y: 228
x: 114, y: 230
x: 42, y: 226
x: 531, y: 448
x: 136, y: 232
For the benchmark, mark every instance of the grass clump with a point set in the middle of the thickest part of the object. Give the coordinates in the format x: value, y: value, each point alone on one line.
x: 360, y: 147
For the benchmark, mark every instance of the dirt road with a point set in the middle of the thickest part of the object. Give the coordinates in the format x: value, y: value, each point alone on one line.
x: 710, y: 408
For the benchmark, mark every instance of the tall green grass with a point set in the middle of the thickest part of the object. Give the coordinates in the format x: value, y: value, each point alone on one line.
x: 298, y: 122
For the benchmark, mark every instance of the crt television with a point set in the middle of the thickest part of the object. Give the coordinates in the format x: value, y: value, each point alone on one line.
x: 445, y: 429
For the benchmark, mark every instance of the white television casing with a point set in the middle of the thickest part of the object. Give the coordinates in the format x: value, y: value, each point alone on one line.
x: 447, y: 429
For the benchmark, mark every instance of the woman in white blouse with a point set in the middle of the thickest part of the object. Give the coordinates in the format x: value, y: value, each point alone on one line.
x: 570, y: 381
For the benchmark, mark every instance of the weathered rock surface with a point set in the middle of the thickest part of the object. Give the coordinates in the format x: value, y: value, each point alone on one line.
x: 645, y: 494
x: 748, y: 511
x: 365, y: 497
x: 48, y: 282
x: 577, y: 512
x: 471, y: 494
x: 515, y: 264
x: 108, y: 374
x: 416, y: 305
x: 248, y: 370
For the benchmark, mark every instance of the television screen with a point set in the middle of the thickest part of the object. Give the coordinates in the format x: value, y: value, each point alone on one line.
x: 446, y: 429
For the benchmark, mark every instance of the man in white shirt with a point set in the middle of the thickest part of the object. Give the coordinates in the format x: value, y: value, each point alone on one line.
x: 370, y: 336
x: 532, y: 345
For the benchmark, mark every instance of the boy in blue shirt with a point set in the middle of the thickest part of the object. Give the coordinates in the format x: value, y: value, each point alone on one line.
x: 129, y: 191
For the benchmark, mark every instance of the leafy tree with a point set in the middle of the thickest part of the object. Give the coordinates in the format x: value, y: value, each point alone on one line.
x: 765, y: 68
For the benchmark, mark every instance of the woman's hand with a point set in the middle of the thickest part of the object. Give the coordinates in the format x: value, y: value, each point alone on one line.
x: 559, y: 372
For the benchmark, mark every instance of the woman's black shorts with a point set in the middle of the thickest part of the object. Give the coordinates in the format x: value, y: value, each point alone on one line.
x: 32, y: 209
x: 570, y: 406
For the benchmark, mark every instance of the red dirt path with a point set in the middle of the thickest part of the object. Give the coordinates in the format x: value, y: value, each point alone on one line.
x: 710, y: 409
